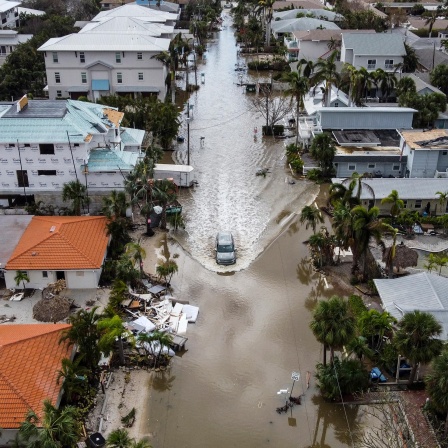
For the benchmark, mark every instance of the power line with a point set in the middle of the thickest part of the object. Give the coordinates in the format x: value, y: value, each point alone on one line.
x: 223, y: 122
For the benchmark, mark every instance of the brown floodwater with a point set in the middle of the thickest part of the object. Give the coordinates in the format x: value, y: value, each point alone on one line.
x: 253, y: 326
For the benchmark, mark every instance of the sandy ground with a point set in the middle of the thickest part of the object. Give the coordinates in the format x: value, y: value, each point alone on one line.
x: 128, y: 388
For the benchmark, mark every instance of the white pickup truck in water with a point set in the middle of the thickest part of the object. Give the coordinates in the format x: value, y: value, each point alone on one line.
x: 182, y: 175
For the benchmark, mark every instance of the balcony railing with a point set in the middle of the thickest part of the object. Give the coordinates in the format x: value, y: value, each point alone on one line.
x: 441, y: 174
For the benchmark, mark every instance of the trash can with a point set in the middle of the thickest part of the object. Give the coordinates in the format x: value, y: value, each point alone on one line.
x: 96, y: 440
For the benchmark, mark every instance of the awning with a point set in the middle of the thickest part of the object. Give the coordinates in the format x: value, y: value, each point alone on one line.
x: 78, y: 89
x: 137, y: 89
x: 100, y: 84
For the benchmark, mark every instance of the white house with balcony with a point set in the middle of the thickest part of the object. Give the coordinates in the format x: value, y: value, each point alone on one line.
x: 45, y: 144
x: 9, y: 14
x: 99, y: 64
x: 373, y: 51
x: 9, y: 39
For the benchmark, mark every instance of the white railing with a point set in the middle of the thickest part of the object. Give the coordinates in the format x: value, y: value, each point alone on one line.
x: 306, y: 169
x: 308, y: 126
x: 441, y: 174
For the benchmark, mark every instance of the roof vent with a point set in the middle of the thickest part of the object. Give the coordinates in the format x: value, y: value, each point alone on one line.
x: 33, y: 254
x: 52, y: 229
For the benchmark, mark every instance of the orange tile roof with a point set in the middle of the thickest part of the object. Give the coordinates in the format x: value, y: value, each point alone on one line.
x: 75, y: 242
x: 30, y: 357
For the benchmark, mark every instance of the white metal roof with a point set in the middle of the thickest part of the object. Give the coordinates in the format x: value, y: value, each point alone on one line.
x: 106, y: 42
x: 407, y: 188
x: 133, y: 10
x: 423, y: 291
x: 176, y: 168
x: 379, y: 44
x: 6, y: 5
x: 131, y: 25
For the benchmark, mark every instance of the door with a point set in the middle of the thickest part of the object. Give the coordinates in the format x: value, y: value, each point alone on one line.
x: 60, y: 275
x: 22, y: 178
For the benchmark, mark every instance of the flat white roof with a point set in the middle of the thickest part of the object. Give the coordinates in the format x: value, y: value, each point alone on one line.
x: 176, y: 168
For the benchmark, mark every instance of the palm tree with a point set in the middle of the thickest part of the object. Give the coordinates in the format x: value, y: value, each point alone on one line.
x: 164, y: 339
x: 437, y: 385
x: 323, y: 150
x: 417, y: 339
x: 353, y: 76
x: 431, y: 18
x: 325, y: 70
x: 375, y: 325
x: 119, y: 438
x: 74, y: 377
x: 125, y: 269
x: 441, y: 260
x: 84, y: 333
x: 366, y: 226
x: 431, y: 263
x: 443, y: 196
x: 298, y: 88
x: 112, y: 330
x: 115, y: 205
x: 56, y: 428
x: 332, y: 325
x: 308, y: 67
x: 118, y: 230
x: 385, y: 81
x: 266, y: 7
x: 339, y: 193
x: 397, y: 203
x: 137, y: 254
x: 21, y: 276
x: 76, y: 192
x: 343, y: 225
x: 359, y: 347
x: 164, y: 193
x: 166, y: 270
x: 311, y: 216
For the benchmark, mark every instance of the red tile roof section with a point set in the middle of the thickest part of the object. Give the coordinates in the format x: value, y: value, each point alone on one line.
x: 30, y: 357
x: 76, y: 242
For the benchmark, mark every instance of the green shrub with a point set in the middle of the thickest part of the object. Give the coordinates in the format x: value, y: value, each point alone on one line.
x: 356, y: 305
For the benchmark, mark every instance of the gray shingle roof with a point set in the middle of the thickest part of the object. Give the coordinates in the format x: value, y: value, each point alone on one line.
x: 408, y: 188
x: 380, y: 44
x: 423, y: 291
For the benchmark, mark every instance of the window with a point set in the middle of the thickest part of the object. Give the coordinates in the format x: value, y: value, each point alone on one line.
x: 22, y: 178
x: 389, y: 64
x: 46, y: 148
x: 352, y: 167
x: 84, y: 78
x: 46, y: 172
x: 405, y: 204
x: 59, y: 93
x: 395, y: 167
x: 119, y: 78
x: 27, y: 145
x: 11, y: 145
x: 140, y: 76
x: 55, y: 57
x: 444, y: 153
x: 336, y: 104
x: 82, y: 57
x: 418, y: 203
x: 371, y: 64
x: 45, y: 274
x: 118, y: 58
x: 57, y: 78
x: 139, y: 56
x: 371, y: 166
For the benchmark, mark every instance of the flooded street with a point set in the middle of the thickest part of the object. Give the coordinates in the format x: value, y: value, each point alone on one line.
x: 253, y: 327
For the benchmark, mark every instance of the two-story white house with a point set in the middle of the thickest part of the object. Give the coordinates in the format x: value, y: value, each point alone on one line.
x: 9, y: 14
x: 113, y: 54
x: 9, y: 39
x: 45, y: 144
x: 98, y: 64
x: 372, y: 51
x: 427, y: 153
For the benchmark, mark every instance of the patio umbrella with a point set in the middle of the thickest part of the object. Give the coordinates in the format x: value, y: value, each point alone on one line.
x: 51, y: 310
x: 404, y: 256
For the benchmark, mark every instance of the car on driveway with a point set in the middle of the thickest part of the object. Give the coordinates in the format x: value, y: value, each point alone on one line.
x: 225, y: 248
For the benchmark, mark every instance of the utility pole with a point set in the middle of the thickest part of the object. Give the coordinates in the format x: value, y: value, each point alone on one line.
x: 188, y: 133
